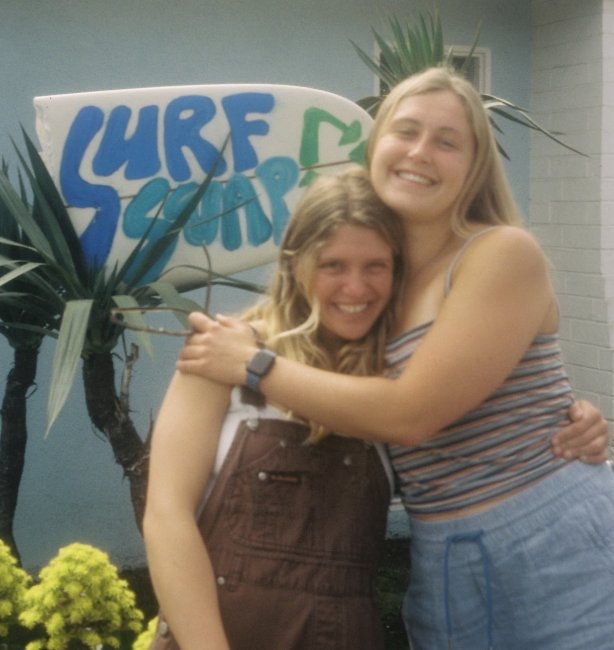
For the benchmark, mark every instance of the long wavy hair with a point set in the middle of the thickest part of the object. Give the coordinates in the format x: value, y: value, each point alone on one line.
x: 486, y: 197
x: 288, y: 318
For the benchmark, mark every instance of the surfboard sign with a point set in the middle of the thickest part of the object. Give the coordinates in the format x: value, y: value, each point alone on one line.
x: 121, y: 157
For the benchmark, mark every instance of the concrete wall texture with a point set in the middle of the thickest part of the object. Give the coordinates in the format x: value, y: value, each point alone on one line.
x: 571, y: 197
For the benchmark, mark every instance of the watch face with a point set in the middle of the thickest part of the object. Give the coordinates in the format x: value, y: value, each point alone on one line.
x: 261, y: 362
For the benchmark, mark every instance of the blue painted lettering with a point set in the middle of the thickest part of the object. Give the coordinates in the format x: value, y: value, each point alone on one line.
x: 140, y: 215
x: 237, y: 107
x: 219, y: 212
x: 203, y: 224
x: 233, y: 212
x: 98, y: 237
x: 140, y: 151
x: 183, y: 119
x: 278, y: 176
x: 240, y: 195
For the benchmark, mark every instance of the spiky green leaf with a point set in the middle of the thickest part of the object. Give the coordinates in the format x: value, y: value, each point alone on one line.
x: 71, y: 340
x: 17, y: 272
x: 419, y: 45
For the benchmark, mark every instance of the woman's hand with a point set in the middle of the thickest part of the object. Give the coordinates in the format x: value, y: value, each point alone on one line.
x: 218, y: 349
x: 586, y: 438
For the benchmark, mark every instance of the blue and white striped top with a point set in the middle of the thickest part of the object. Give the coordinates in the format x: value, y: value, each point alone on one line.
x: 496, y: 449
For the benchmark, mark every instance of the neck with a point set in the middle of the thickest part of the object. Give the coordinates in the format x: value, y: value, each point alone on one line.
x: 427, y: 246
x: 429, y: 250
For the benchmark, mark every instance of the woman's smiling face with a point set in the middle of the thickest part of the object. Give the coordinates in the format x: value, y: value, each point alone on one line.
x: 423, y: 156
x: 352, y: 281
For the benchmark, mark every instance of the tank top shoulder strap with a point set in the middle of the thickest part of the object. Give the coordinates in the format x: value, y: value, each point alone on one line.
x: 459, y: 254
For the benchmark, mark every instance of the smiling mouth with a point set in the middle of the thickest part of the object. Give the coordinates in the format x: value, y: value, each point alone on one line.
x: 415, y: 178
x: 352, y: 309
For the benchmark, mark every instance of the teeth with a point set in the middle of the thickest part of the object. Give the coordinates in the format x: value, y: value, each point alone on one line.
x: 352, y: 309
x: 415, y: 178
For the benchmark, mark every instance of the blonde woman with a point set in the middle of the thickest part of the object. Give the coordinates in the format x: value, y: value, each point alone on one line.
x: 283, y: 552
x: 512, y: 546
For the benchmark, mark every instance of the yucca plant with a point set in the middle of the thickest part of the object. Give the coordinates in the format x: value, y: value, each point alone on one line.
x: 25, y: 341
x: 416, y: 45
x: 77, y: 301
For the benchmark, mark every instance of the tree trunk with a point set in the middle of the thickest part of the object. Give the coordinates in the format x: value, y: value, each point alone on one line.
x: 110, y: 414
x: 13, y: 439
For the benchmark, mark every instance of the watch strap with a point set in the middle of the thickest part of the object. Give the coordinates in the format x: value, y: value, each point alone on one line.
x: 258, y: 367
x: 252, y: 381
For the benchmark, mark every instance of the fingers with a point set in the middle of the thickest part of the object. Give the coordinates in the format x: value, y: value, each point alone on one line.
x: 586, y: 438
x: 576, y: 412
x: 594, y: 452
x: 190, y: 351
x: 228, y: 321
x: 202, y: 323
x: 199, y: 321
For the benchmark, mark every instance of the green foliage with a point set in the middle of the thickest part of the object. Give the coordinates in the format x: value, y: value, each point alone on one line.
x: 48, y: 289
x: 80, y: 599
x: 411, y: 49
x: 392, y: 579
x: 11, y: 308
x: 13, y: 584
x: 145, y: 639
x: 418, y: 45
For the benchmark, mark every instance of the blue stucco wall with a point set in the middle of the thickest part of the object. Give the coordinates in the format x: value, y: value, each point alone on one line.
x: 72, y: 490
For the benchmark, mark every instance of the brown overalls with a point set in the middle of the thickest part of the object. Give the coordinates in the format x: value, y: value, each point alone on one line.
x: 295, y: 533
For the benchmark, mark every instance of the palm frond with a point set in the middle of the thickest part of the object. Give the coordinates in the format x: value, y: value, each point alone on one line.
x: 71, y: 341
x: 18, y: 211
x: 52, y: 204
x: 418, y: 45
x: 17, y: 271
x: 518, y: 115
x: 172, y: 298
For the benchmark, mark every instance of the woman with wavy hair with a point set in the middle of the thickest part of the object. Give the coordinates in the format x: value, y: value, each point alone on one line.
x: 283, y: 551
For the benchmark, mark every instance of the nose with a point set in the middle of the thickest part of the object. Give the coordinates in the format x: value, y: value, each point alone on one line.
x: 419, y: 148
x: 355, y: 284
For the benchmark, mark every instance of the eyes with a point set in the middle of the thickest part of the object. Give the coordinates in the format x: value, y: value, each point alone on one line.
x: 448, y: 144
x: 440, y: 140
x: 339, y: 266
x: 445, y: 138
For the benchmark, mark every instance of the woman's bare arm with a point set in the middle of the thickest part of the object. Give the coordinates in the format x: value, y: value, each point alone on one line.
x: 496, y: 307
x: 183, y: 450
x: 500, y: 296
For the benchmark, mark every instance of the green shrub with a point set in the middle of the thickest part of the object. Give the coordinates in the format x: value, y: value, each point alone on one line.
x: 13, y: 584
x: 146, y: 637
x: 81, y: 602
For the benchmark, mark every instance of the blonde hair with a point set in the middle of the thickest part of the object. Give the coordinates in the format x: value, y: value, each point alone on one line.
x: 289, y: 312
x: 486, y: 196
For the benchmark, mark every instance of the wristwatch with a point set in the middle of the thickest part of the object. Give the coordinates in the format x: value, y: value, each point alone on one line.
x: 258, y: 367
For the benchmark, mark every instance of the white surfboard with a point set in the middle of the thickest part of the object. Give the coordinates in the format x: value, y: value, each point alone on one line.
x: 120, y: 157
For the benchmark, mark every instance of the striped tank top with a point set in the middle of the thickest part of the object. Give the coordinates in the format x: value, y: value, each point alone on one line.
x: 501, y: 446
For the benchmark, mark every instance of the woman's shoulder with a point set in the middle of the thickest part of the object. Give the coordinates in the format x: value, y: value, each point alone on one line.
x: 505, y: 242
x: 505, y: 251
